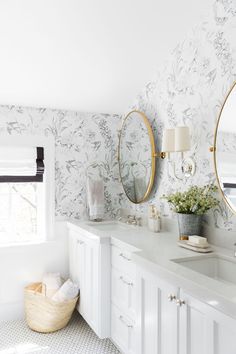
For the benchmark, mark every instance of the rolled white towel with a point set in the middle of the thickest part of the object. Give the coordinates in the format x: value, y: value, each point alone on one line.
x: 67, y: 291
x: 52, y: 282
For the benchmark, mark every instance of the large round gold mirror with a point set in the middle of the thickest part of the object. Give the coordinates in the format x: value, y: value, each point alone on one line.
x: 136, y: 156
x: 225, y: 149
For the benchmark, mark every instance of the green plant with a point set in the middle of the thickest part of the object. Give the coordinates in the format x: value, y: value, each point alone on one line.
x: 196, y: 200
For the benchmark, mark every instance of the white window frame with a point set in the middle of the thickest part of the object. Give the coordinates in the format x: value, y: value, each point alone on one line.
x: 48, y: 143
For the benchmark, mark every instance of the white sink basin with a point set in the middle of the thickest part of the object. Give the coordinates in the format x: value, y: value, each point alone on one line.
x: 107, y: 225
x: 217, y: 267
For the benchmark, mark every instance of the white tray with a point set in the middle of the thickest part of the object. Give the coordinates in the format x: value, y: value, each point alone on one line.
x: 194, y: 248
x: 206, y: 245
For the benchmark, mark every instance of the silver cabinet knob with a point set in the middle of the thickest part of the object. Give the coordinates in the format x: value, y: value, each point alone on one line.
x: 171, y: 297
x: 80, y: 242
x: 180, y: 302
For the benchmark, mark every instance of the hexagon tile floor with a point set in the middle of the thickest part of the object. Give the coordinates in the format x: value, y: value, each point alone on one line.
x: 76, y: 338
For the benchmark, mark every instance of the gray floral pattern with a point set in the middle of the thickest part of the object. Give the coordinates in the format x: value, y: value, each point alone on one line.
x: 81, y: 139
x: 190, y: 90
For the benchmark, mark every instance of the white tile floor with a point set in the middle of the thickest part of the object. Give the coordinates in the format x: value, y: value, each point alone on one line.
x: 76, y: 338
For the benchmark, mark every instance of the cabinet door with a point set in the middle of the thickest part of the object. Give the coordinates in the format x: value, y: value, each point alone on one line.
x: 81, y: 272
x: 91, y: 253
x: 73, y: 259
x: 205, y: 330
x: 195, y: 327
x: 157, y: 324
x: 224, y: 335
x: 84, y: 271
x: 77, y: 261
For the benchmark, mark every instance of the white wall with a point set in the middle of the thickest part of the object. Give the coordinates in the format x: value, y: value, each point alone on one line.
x: 21, y: 265
x: 87, y: 55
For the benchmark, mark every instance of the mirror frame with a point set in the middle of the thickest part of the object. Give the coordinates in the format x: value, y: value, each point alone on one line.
x: 153, y: 156
x: 214, y: 149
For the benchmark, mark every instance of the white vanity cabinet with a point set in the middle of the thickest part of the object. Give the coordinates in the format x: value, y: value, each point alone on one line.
x: 136, y: 306
x: 157, y: 314
x: 169, y: 321
x: 205, y: 330
x: 123, y: 300
x: 196, y: 330
x: 89, y: 265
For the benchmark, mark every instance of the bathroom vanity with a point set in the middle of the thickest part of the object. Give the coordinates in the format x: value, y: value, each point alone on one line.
x: 151, y: 296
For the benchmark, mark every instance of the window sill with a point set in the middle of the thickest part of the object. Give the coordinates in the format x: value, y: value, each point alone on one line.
x: 23, y: 245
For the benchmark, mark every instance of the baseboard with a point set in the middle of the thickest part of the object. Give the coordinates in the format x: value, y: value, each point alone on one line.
x: 11, y: 311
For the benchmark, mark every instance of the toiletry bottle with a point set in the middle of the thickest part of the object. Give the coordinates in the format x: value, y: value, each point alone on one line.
x: 154, y: 221
x: 157, y: 222
x: 151, y: 213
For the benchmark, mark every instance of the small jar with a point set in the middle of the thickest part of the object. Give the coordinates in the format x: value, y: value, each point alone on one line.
x: 154, y: 224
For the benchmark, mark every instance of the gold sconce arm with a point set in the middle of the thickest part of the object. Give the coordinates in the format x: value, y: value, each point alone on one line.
x: 161, y: 155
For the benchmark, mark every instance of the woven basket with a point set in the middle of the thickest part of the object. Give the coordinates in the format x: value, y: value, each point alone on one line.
x: 43, y: 314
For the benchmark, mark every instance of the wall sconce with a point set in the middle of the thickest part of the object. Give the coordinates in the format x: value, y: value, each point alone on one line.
x: 178, y: 140
x: 168, y: 141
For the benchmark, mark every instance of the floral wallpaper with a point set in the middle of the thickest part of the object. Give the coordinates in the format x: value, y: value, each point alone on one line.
x: 81, y: 139
x: 190, y: 90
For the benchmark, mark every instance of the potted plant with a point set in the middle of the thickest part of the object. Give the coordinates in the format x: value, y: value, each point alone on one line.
x: 190, y: 207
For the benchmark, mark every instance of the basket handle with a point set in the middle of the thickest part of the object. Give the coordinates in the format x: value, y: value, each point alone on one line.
x: 44, y: 288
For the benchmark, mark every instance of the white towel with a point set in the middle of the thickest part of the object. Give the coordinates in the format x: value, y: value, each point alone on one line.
x: 52, y: 282
x: 67, y: 291
x: 95, y: 198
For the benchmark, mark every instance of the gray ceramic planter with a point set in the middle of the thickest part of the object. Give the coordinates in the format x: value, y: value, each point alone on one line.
x: 189, y: 224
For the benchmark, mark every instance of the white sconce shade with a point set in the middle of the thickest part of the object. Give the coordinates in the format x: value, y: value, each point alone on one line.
x: 182, y: 139
x: 168, y: 140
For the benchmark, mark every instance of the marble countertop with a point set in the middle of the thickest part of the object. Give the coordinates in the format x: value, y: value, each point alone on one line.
x: 156, y: 252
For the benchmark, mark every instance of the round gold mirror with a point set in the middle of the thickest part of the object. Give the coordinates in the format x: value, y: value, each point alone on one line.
x: 136, y: 154
x: 225, y: 149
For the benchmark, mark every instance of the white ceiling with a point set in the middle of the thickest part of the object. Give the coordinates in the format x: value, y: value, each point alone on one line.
x: 88, y: 55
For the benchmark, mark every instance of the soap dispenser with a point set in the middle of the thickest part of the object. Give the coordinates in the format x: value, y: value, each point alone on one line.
x: 154, y: 220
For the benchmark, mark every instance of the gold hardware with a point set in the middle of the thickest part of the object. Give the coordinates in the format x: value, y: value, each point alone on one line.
x: 161, y: 155
x: 183, y: 238
x: 212, y: 149
x: 153, y: 157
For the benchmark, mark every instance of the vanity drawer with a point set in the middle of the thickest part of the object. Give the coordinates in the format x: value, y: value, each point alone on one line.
x: 121, y: 260
x: 122, y: 331
x: 123, y: 292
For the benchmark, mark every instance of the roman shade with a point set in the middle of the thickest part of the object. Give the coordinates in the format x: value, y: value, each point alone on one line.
x: 21, y: 164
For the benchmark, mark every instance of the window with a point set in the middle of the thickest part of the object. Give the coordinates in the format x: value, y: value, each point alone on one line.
x: 26, y: 197
x: 21, y: 206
